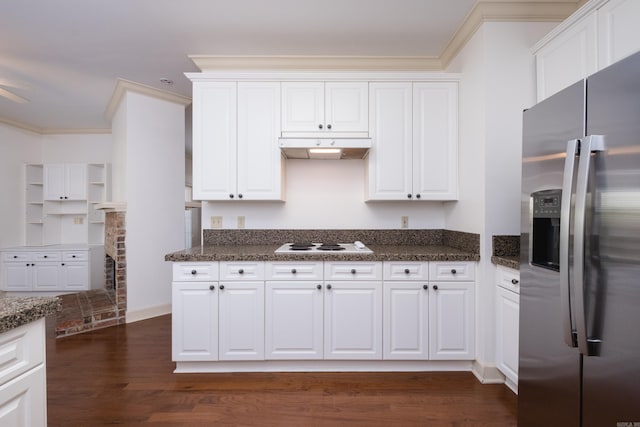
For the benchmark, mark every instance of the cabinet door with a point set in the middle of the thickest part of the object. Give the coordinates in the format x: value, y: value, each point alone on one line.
x: 303, y: 107
x: 194, y: 333
x: 75, y: 275
x: 259, y: 159
x: 353, y: 320
x: 389, y: 165
x: 346, y: 106
x: 17, y: 276
x: 54, y: 181
x: 76, y: 181
x: 452, y: 321
x: 293, y: 320
x: 435, y: 141
x: 23, y: 401
x: 46, y: 276
x: 507, y: 334
x: 241, y: 321
x: 405, y: 314
x: 618, y: 31
x: 568, y: 58
x: 214, y: 140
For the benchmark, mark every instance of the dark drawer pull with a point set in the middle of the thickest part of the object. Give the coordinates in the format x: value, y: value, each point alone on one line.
x: 514, y: 281
x: 435, y: 287
x: 293, y: 271
x: 241, y: 271
x: 406, y: 271
x: 453, y: 271
x: 353, y: 271
x: 194, y: 272
x: 425, y: 287
x: 212, y: 287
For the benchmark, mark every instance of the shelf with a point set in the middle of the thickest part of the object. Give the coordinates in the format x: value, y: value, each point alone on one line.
x: 96, y: 222
x: 97, y: 183
x: 35, y: 203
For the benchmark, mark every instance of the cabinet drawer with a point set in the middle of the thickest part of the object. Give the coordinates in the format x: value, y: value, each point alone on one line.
x: 451, y: 271
x: 241, y: 271
x: 508, y: 279
x: 21, y: 349
x: 353, y: 271
x: 75, y: 256
x: 195, y: 271
x: 293, y: 271
x: 16, y: 256
x: 392, y: 270
x: 47, y: 256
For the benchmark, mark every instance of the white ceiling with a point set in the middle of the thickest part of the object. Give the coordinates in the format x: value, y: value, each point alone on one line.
x: 65, y: 56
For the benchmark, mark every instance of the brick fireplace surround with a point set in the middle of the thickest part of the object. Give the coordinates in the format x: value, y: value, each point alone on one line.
x: 107, y: 306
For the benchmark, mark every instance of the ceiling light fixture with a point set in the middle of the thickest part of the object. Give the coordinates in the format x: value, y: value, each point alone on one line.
x: 166, y: 81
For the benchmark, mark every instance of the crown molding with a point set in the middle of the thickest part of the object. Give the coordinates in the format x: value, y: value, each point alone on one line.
x: 123, y: 86
x: 20, y: 125
x: 52, y: 131
x: 483, y: 11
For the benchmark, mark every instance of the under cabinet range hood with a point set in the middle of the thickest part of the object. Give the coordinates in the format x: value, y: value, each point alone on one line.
x: 325, y: 148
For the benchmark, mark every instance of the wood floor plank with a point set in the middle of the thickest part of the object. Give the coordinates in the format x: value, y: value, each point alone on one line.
x: 123, y: 375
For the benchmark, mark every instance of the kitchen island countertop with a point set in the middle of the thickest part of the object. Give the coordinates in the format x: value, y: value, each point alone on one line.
x: 17, y: 311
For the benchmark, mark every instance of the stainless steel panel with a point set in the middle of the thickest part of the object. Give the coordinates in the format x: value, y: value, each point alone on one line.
x: 549, y: 372
x: 611, y: 382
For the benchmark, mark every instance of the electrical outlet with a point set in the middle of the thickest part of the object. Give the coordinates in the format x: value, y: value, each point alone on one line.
x: 216, y: 222
x: 240, y: 221
x: 78, y: 220
x: 404, y: 222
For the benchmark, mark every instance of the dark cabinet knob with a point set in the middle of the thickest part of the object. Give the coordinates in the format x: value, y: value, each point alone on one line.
x: 65, y: 197
x: 28, y: 264
x: 194, y: 272
x: 435, y: 287
x: 240, y: 196
x: 73, y: 256
x: 453, y: 271
x: 46, y: 256
x: 328, y: 126
x: 514, y: 281
x: 417, y: 196
x: 241, y: 271
x: 221, y: 287
x: 231, y: 196
x: 406, y: 271
x: 318, y: 286
x: 15, y: 256
x: 63, y: 263
x: 353, y: 271
x: 293, y: 271
x: 320, y: 126
x: 328, y: 286
x: 60, y: 197
x: 212, y: 287
x: 408, y: 196
x: 425, y: 287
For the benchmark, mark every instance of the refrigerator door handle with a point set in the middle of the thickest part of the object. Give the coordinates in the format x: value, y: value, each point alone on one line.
x: 590, y: 144
x: 569, y: 331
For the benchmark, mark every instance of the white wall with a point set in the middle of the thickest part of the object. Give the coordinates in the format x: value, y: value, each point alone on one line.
x: 154, y: 183
x: 17, y: 148
x: 119, y: 153
x: 325, y: 194
x: 498, y: 83
x: 77, y: 148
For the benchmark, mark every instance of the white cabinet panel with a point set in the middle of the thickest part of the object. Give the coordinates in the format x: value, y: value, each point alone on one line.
x: 347, y: 106
x: 618, y: 30
x: 195, y: 271
x: 568, y: 58
x: 54, y: 181
x: 507, y: 336
x: 451, y: 270
x: 76, y: 181
x: 389, y: 165
x: 302, y: 106
x: 405, y: 270
x: 17, y: 276
x: 241, y: 270
x: 298, y: 270
x: 47, y: 276
x: 65, y: 181
x: 241, y: 321
x: 75, y: 275
x: 349, y: 270
x: 452, y: 325
x: 406, y: 320
x: 260, y: 163
x: 194, y: 333
x: 294, y: 320
x: 353, y: 320
x: 435, y: 141
x: 23, y: 401
x: 214, y: 140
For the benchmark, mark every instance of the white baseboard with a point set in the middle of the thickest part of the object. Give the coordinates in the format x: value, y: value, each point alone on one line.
x: 487, y: 374
x: 147, y: 313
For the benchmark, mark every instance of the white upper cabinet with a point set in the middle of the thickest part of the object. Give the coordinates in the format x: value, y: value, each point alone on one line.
x: 319, y: 108
x: 618, y: 30
x: 594, y: 37
x: 65, y: 181
x: 414, y: 129
x: 235, y: 149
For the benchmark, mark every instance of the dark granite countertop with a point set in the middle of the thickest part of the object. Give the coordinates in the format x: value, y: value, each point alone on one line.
x: 507, y: 261
x: 18, y: 311
x: 506, y: 251
x: 266, y: 253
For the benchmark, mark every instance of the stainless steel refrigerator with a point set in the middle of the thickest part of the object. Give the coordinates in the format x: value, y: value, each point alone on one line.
x: 580, y: 254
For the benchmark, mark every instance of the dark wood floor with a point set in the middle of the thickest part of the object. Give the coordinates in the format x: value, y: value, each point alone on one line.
x: 123, y: 376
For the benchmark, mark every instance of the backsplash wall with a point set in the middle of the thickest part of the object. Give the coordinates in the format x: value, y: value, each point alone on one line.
x: 325, y: 194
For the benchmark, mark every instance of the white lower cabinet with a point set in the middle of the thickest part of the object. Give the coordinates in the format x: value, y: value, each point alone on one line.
x: 241, y: 321
x: 452, y: 325
x: 406, y: 320
x: 194, y: 333
x: 353, y: 320
x: 23, y: 388
x: 507, y: 324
